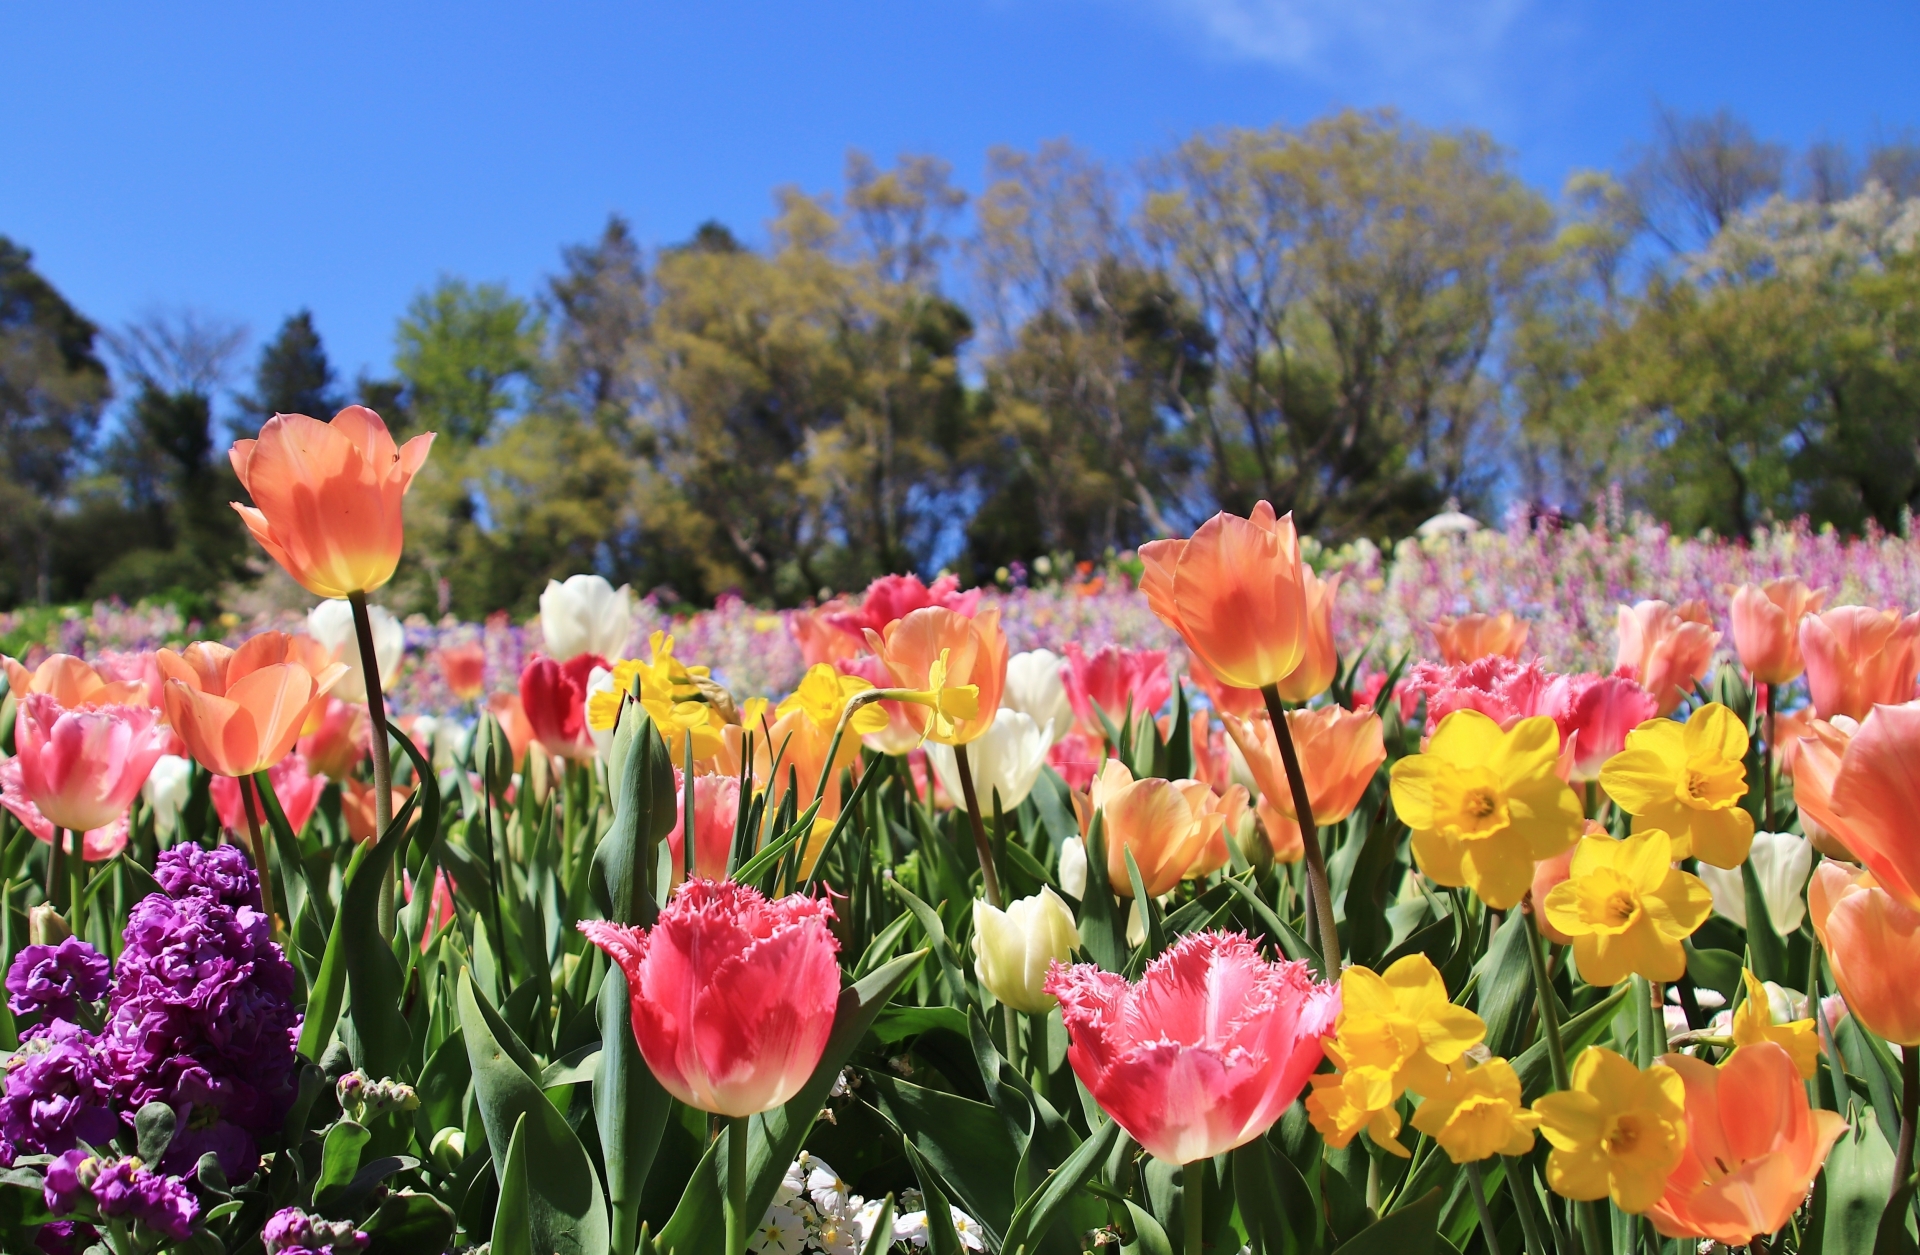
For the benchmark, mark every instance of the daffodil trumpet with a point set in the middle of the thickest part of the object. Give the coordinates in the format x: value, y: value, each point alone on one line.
x: 1317, y: 883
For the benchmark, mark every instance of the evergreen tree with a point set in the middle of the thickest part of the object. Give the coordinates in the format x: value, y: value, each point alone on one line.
x: 293, y: 377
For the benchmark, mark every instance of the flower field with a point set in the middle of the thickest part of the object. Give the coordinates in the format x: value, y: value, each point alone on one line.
x: 1544, y: 890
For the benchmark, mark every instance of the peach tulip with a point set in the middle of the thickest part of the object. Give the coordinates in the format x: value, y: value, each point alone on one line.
x: 732, y: 996
x: 1766, y: 627
x: 463, y: 668
x: 1472, y: 637
x: 1872, y: 940
x: 1340, y: 751
x: 1157, y: 821
x: 1788, y: 728
x: 72, y: 683
x: 241, y: 710
x: 1753, y: 1147
x: 1224, y: 698
x: 937, y: 648
x: 357, y: 809
x: 1875, y: 796
x: 511, y: 714
x: 1666, y: 649
x: 336, y: 737
x: 1857, y: 657
x: 817, y: 636
x: 81, y: 767
x: 1816, y: 761
x: 1549, y: 872
x: 1236, y: 593
x: 295, y: 787
x: 1229, y: 807
x: 326, y: 497
x: 1320, y: 656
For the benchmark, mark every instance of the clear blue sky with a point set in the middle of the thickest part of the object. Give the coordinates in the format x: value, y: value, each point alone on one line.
x: 244, y: 160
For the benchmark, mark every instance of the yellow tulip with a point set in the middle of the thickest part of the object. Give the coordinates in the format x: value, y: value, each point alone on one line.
x: 1617, y: 1133
x: 1484, y: 804
x: 1753, y: 1022
x: 1687, y: 780
x: 1478, y: 1113
x: 1628, y: 909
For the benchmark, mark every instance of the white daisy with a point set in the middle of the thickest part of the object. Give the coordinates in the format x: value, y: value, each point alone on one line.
x: 972, y: 1236
x: 830, y: 1193
x: 779, y: 1233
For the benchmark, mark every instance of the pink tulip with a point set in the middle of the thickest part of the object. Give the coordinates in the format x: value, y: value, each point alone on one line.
x: 83, y: 766
x: 1595, y: 713
x: 894, y: 597
x: 1857, y: 657
x: 98, y: 845
x: 732, y: 995
x: 1115, y: 680
x: 295, y: 787
x: 716, y: 806
x: 1766, y: 627
x: 1874, y: 796
x: 1206, y: 1052
x: 1665, y: 648
x: 440, y: 911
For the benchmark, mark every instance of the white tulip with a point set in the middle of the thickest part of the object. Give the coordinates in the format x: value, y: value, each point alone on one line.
x: 1035, y: 689
x: 586, y: 615
x: 1728, y: 889
x: 1012, y: 948
x: 1073, y: 868
x: 166, y: 791
x: 1006, y: 758
x: 1781, y: 862
x: 331, y: 623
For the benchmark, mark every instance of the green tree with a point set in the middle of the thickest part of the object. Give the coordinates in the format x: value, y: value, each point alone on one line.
x: 293, y: 377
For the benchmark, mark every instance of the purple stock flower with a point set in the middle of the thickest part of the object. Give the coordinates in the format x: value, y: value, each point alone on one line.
x: 121, y: 1189
x: 291, y: 1231
x: 54, y: 980
x: 65, y: 1237
x: 58, y: 1094
x: 222, y: 873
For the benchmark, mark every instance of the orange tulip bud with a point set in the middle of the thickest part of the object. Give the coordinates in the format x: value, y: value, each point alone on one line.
x: 1320, y: 658
x: 1236, y: 594
x: 974, y: 652
x: 1666, y: 649
x: 241, y: 710
x: 326, y: 497
x: 1472, y: 637
x: 1872, y: 940
x: 1874, y: 796
x: 1156, y: 820
x: 1766, y: 627
x: 1857, y: 657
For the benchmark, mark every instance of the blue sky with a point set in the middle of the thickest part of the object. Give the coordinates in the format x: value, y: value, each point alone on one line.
x: 244, y: 160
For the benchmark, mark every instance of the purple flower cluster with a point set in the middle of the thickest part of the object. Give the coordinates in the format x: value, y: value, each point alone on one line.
x: 202, y: 1015
x: 65, y: 1237
x: 58, y: 1094
x: 122, y: 1189
x: 54, y: 980
x: 294, y: 1232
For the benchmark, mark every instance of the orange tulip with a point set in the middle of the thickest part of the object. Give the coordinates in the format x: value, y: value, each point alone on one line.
x: 1753, y: 1147
x: 511, y: 713
x: 356, y: 808
x: 1320, y: 657
x: 1472, y: 637
x: 1857, y: 657
x: 1665, y: 649
x: 1816, y: 761
x: 1236, y: 594
x: 938, y: 648
x: 326, y: 497
x: 1224, y: 698
x: 1766, y: 627
x: 1788, y: 729
x: 74, y: 684
x: 1230, y: 806
x: 1872, y: 940
x: 1157, y: 820
x: 1874, y: 797
x: 464, y: 667
x: 1339, y: 749
x: 241, y: 710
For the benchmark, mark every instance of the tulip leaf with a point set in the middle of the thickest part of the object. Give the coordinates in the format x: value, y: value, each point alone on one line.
x: 1149, y: 909
x: 1892, y: 1237
x: 1408, y: 1231
x: 941, y: 1237
x: 1858, y: 1176
x: 775, y: 1136
x: 629, y: 1108
x: 564, y: 1204
x: 512, y: 1215
x: 330, y: 983
x: 1533, y: 1066
x: 382, y: 1043
x: 407, y: 1223
x: 1368, y: 930
x: 950, y: 972
x: 1269, y: 1208
x: 1505, y: 994
x: 1291, y: 943
x: 443, y: 1086
x: 1102, y: 930
x: 1767, y: 952
x: 1035, y: 1216
x: 1149, y: 1238
x: 1718, y: 970
x: 882, y: 1240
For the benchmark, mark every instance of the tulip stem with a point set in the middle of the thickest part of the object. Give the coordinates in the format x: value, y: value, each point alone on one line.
x: 1909, y: 1115
x: 1192, y: 1183
x: 737, y: 1184
x: 57, y: 868
x: 1549, y: 1006
x: 980, y: 843
x: 1479, y: 1188
x: 77, y: 882
x: 382, y: 765
x: 1766, y: 757
x: 1322, y: 892
x: 1014, y: 1059
x: 1520, y: 1185
x: 248, y: 795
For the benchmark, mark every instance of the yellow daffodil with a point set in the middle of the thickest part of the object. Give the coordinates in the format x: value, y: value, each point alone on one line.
x: 1617, y: 1133
x: 1478, y: 1113
x: 824, y: 694
x: 951, y: 705
x: 1396, y: 1031
x: 1753, y: 1022
x: 1484, y: 804
x: 1687, y: 780
x: 1628, y: 909
x: 670, y: 694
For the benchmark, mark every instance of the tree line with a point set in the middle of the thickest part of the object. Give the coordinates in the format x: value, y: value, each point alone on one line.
x: 1362, y: 318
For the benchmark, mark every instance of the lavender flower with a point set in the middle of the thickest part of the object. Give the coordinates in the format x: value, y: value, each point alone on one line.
x: 291, y: 1231
x: 121, y: 1189
x: 54, y: 980
x: 58, y: 1094
x: 222, y: 873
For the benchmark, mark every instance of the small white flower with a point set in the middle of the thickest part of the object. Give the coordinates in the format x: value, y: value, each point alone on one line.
x: 166, y: 791
x: 910, y: 1227
x: 839, y: 1235
x: 829, y: 1192
x: 794, y: 1184
x: 971, y: 1235
x: 779, y: 1233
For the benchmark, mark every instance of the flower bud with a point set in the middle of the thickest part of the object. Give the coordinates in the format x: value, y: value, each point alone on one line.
x: 1013, y: 948
x: 46, y: 926
x: 493, y: 754
x: 448, y: 1148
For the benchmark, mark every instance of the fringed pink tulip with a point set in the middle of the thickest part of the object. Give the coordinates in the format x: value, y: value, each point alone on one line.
x: 1857, y: 657
x: 1115, y: 681
x: 732, y: 995
x: 1205, y: 1053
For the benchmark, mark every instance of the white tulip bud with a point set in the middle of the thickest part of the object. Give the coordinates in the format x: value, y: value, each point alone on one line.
x: 1012, y: 948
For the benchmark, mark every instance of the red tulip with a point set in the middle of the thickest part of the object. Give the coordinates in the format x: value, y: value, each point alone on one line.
x: 1113, y: 681
x: 732, y: 995
x: 554, y: 695
x: 295, y: 787
x: 894, y: 597
x: 1205, y: 1053
x: 716, y: 807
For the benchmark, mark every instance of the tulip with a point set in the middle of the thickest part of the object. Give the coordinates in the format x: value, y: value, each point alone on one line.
x: 294, y: 787
x: 554, y: 696
x: 358, y: 811
x: 1156, y: 822
x: 716, y: 812
x: 241, y: 710
x: 1549, y: 872
x: 1858, y: 658
x: 1205, y: 1053
x: 1752, y: 1151
x: 585, y: 615
x: 1628, y: 909
x: 1005, y: 762
x: 335, y: 738
x: 1077, y: 759
x: 326, y: 497
x: 73, y: 683
x: 1340, y: 751
x: 891, y: 598
x: 167, y: 789
x: 1595, y: 713
x: 1666, y: 649
x: 331, y: 623
x: 440, y: 911
x: 1687, y: 781
x: 1781, y: 862
x: 1226, y: 700
x: 1477, y: 1113
x: 1232, y: 808
x: 1872, y: 940
x: 1617, y: 1133
x: 1073, y: 868
x: 819, y: 640
x: 1485, y: 804
x: 732, y: 996
x: 1235, y: 593
x: 1320, y: 655
x: 510, y: 713
x: 1116, y: 683
x: 97, y: 844
x: 1875, y: 798
x: 1766, y: 627
x: 901, y: 735
x: 463, y: 669
x: 936, y: 650
x: 83, y: 767
x: 1014, y: 949
x: 1472, y: 637
x: 1037, y: 689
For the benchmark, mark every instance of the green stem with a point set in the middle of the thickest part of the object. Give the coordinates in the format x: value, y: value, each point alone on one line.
x: 1479, y: 1188
x: 1328, y: 938
x: 737, y: 1223
x: 1014, y: 1054
x: 247, y: 787
x: 1766, y: 758
x: 382, y: 765
x: 57, y: 869
x: 77, y: 881
x: 1037, y: 1053
x: 1909, y: 1116
x: 981, y: 845
x: 1192, y: 1184
x: 1520, y: 1185
x: 1549, y: 1006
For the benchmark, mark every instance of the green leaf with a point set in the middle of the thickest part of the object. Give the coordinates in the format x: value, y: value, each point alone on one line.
x: 1149, y: 1237
x: 443, y: 1085
x: 882, y: 1240
x: 153, y: 1130
x: 568, y: 1216
x: 896, y: 1024
x: 950, y: 972
x: 1409, y: 1231
x: 1036, y: 1215
x: 644, y: 813
x: 1102, y: 928
x: 629, y: 1108
x: 1291, y: 943
x: 409, y: 1223
x: 578, y: 1068
x: 1536, y: 1070
x: 967, y: 1142
x: 513, y: 1213
x: 340, y: 1155
x: 330, y: 986
x: 381, y: 1039
x: 1368, y: 930
x: 1274, y: 1201
x: 1859, y: 1176
x: 1892, y: 1236
x: 1505, y: 995
x: 1718, y: 970
x: 941, y: 1237
x: 1768, y: 950
x: 1149, y: 909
